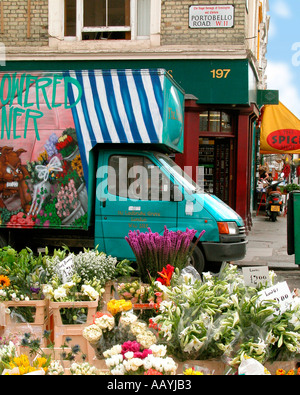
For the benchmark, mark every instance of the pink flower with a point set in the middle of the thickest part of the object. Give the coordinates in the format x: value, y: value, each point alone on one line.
x: 130, y: 346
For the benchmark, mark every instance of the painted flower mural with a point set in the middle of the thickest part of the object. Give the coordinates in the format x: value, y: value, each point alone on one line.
x: 41, y: 176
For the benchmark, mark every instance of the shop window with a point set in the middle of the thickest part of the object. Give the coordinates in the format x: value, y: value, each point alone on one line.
x: 107, y: 19
x: 215, y: 122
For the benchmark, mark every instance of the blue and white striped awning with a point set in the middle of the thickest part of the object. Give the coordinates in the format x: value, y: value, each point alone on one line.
x: 117, y: 106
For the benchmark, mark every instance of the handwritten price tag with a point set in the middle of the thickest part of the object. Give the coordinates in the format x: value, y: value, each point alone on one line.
x: 254, y: 276
x: 280, y: 293
x: 66, y: 269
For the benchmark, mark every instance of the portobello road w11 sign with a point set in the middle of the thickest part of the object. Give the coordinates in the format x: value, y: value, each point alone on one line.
x: 211, y: 16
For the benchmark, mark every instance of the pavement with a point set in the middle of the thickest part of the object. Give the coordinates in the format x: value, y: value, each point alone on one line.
x: 267, y: 246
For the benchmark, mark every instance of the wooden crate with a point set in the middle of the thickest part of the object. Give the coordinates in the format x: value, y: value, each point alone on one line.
x: 59, y: 331
x: 41, y: 318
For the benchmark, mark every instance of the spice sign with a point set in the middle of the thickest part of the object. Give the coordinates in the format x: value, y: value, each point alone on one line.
x: 211, y: 16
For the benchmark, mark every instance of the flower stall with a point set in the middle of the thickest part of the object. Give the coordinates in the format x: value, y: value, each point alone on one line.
x: 168, y: 320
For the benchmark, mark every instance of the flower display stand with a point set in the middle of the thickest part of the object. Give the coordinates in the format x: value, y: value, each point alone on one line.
x: 60, y: 332
x: 37, y: 327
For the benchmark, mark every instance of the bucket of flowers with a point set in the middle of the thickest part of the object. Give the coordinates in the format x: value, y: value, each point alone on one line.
x: 153, y: 251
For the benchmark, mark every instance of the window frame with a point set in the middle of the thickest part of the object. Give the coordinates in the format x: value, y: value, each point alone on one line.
x: 80, y: 28
x: 220, y: 132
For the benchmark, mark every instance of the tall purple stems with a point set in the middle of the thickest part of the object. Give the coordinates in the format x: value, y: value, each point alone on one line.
x: 154, y: 251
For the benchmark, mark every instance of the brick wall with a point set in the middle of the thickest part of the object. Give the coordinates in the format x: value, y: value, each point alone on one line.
x: 14, y: 23
x: 176, y: 31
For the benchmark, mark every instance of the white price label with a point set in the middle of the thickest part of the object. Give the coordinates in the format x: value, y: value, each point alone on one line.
x: 66, y: 269
x: 280, y: 293
x: 254, y: 276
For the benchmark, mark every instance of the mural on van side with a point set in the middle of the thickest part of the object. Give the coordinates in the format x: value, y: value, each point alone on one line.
x: 41, y: 175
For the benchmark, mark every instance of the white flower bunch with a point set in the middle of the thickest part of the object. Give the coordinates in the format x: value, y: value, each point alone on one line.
x: 166, y: 365
x: 143, y: 335
x: 127, y: 318
x: 113, y: 351
x: 92, y: 333
x: 8, y: 351
x: 158, y: 350
x: 48, y: 291
x: 130, y: 363
x: 91, y: 264
x: 69, y: 290
x: 60, y: 293
x: 114, y: 360
x: 55, y: 369
x: 89, y: 291
x: 105, y: 322
x: 83, y: 369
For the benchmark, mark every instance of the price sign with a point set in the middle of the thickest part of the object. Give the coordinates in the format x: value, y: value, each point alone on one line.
x: 254, y: 276
x: 280, y: 293
x: 66, y: 269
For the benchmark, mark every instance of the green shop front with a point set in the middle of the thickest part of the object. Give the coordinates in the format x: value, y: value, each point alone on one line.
x: 220, y: 113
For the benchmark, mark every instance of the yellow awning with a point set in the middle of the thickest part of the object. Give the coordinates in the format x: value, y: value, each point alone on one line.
x: 280, y: 131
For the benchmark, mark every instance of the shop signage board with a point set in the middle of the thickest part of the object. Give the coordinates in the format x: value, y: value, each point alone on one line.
x: 280, y: 131
x: 212, y: 81
x: 211, y: 16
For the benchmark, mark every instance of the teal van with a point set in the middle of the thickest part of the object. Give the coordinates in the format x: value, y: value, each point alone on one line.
x: 85, y: 158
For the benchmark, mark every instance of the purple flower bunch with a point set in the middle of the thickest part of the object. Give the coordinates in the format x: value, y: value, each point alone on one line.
x: 153, y: 251
x: 50, y: 145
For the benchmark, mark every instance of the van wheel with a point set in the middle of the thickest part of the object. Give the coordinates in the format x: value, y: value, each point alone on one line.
x: 197, y: 260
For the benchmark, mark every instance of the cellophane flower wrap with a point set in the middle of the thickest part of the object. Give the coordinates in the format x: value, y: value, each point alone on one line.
x: 221, y: 317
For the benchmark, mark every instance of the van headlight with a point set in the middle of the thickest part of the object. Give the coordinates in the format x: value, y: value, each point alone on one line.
x: 228, y: 228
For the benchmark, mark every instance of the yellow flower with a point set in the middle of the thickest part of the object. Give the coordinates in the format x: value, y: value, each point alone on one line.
x: 192, y: 372
x: 40, y: 363
x: 291, y: 372
x: 23, y: 364
x: 22, y: 360
x: 280, y: 372
x: 4, y: 282
x: 76, y: 164
x: 116, y: 306
x: 43, y: 156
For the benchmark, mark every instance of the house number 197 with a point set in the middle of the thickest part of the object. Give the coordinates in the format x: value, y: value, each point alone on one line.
x: 220, y: 73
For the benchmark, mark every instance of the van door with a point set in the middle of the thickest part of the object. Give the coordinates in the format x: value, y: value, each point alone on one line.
x: 135, y: 195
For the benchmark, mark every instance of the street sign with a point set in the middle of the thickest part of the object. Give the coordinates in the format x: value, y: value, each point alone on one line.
x: 211, y: 16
